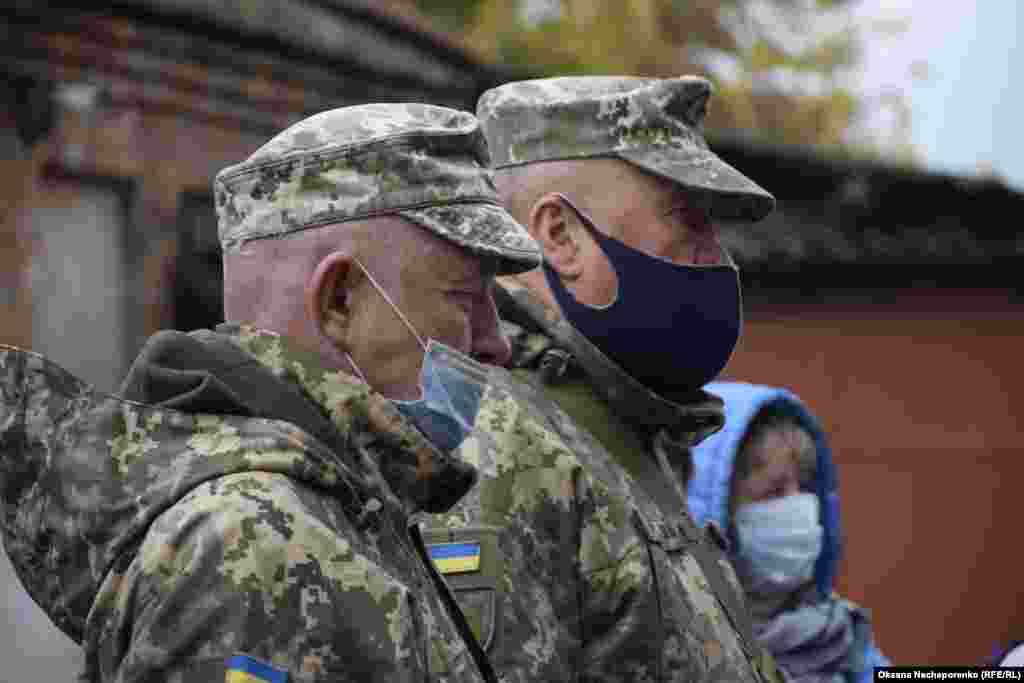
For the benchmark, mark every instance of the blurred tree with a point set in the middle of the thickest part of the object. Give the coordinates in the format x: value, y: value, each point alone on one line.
x: 782, y: 67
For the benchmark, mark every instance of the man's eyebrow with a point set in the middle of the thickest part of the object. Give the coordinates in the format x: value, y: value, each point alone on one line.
x: 484, y: 272
x: 677, y: 198
x: 471, y: 280
x: 682, y: 200
x: 673, y: 203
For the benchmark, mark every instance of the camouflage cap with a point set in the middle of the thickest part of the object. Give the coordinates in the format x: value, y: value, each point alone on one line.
x: 654, y: 123
x: 425, y: 163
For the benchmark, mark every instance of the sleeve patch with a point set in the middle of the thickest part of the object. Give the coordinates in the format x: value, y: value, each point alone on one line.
x: 455, y: 558
x: 246, y: 669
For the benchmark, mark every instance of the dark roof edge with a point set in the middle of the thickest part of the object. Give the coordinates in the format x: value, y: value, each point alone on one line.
x: 157, y: 13
x: 419, y: 33
x: 838, y: 162
x: 820, y: 282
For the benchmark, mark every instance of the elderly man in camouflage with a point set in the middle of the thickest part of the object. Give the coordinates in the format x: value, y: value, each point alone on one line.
x: 242, y: 512
x: 584, y: 563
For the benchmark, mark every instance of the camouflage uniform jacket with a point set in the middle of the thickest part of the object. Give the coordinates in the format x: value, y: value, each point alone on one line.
x: 590, y: 569
x: 248, y: 503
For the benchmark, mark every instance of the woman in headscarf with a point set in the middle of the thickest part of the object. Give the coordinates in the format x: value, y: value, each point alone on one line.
x: 767, y: 481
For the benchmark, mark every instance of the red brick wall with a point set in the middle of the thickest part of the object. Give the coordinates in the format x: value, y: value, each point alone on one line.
x: 17, y: 194
x: 921, y: 395
x: 155, y: 155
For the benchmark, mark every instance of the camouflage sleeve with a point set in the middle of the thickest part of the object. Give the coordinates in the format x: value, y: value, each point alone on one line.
x: 650, y: 612
x: 251, y: 569
x: 616, y: 575
x: 575, y: 575
x: 569, y: 557
x: 535, y: 511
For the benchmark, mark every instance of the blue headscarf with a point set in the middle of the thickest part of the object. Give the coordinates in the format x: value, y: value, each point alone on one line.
x: 714, y: 461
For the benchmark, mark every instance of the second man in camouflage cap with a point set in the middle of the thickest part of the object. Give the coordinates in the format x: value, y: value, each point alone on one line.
x: 601, y: 573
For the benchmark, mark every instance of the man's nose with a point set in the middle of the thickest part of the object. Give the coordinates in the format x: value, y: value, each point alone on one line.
x: 492, y: 347
x: 707, y: 249
x: 489, y: 343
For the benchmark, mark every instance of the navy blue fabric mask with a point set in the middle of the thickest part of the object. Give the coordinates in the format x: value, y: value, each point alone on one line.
x: 672, y: 327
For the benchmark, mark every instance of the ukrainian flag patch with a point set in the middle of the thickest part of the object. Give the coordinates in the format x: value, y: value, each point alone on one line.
x: 455, y: 558
x: 245, y: 669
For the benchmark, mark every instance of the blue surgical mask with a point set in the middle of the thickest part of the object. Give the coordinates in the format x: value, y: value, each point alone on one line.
x: 451, y: 387
x: 672, y: 326
x: 779, y: 542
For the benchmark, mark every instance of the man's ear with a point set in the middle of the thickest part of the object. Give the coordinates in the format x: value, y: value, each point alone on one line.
x: 328, y: 297
x: 549, y: 224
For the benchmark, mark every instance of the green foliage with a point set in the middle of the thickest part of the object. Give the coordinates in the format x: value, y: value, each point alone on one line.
x: 453, y: 15
x: 782, y: 79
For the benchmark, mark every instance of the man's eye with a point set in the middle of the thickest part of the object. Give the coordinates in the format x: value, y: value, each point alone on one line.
x: 691, y: 220
x: 463, y: 297
x: 678, y: 216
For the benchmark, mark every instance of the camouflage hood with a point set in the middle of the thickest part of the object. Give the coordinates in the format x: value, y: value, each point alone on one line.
x: 83, y: 475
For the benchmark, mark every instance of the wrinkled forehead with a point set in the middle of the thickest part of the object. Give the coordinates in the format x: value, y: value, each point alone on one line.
x: 783, y: 445
x: 787, y: 436
x: 429, y: 256
x: 361, y: 124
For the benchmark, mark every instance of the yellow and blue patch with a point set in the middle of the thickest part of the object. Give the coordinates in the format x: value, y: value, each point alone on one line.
x: 455, y: 558
x: 245, y: 669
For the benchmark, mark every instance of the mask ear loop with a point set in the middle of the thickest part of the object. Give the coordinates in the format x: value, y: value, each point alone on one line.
x: 352, y: 362
x: 401, y: 316
x: 391, y: 303
x: 586, y: 220
x: 597, y: 236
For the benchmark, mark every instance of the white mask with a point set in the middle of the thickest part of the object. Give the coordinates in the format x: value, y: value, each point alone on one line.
x: 779, y: 542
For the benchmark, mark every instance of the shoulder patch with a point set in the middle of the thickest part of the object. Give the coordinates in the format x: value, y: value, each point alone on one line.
x: 455, y: 558
x: 473, y: 565
x: 245, y: 669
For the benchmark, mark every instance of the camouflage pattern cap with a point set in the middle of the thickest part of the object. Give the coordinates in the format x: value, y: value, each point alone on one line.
x: 425, y: 163
x: 654, y: 123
